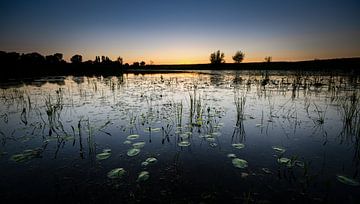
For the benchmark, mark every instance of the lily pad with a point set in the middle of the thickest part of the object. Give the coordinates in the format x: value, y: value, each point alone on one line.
x: 239, y: 163
x: 210, y: 139
x: 103, y: 155
x: 133, y: 137
x: 145, y: 163
x: 133, y: 152
x: 19, y: 157
x: 139, y: 145
x: 283, y: 160
x: 143, y: 176
x: 266, y: 170
x: 346, y: 180
x: 151, y: 160
x: 278, y: 149
x: 116, y: 173
x: 238, y: 145
x: 127, y: 142
x: 231, y: 155
x: 184, y: 144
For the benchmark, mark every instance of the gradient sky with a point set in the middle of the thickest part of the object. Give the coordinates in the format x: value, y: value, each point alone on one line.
x: 183, y: 31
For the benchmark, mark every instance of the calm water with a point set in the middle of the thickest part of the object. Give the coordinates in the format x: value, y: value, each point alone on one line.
x: 297, y: 132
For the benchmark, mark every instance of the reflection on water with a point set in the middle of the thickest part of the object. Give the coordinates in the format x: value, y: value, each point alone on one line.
x: 203, y: 137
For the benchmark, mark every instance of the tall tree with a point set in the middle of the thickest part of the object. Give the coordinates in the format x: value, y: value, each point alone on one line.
x: 238, y: 57
x: 217, y: 57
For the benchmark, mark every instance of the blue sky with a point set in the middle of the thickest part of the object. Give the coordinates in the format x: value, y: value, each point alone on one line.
x: 169, y: 32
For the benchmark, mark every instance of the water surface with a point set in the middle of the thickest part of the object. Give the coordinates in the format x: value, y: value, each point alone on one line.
x: 297, y: 131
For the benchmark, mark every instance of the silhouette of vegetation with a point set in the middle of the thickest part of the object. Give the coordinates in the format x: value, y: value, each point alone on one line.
x: 217, y: 57
x: 238, y: 57
x: 76, y: 59
x: 268, y: 59
x: 34, y: 64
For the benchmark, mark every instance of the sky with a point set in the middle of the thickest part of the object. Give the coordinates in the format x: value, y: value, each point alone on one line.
x: 183, y: 31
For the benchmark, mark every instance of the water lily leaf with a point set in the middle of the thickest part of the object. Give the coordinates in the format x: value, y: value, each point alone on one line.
x: 284, y: 160
x: 144, y: 163
x: 116, y: 173
x: 346, y: 180
x: 133, y: 152
x: 231, y: 155
x: 103, y: 155
x: 133, y: 137
x: 266, y: 170
x: 184, y: 144
x: 143, y: 176
x: 107, y: 150
x: 213, y: 144
x: 19, y: 157
x: 139, y: 145
x: 239, y: 163
x: 210, y: 139
x: 238, y: 145
x: 127, y: 142
x: 184, y: 136
x: 151, y: 160
x: 278, y: 149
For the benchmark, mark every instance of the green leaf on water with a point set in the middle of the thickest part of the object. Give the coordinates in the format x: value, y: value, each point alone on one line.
x: 143, y: 176
x: 346, y: 180
x: 284, y: 160
x: 151, y: 160
x: 133, y: 137
x: 127, y: 142
x: 116, y: 173
x: 238, y: 145
x: 133, y: 152
x: 144, y: 163
x: 239, y: 163
x: 231, y: 156
x: 278, y: 149
x: 19, y: 157
x: 184, y: 144
x: 139, y: 145
x: 103, y: 155
x: 107, y: 150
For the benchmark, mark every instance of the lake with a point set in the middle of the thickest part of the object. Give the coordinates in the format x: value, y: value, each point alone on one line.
x: 186, y: 137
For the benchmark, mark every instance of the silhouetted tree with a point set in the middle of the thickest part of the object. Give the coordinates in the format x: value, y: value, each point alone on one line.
x: 120, y: 60
x: 142, y: 63
x: 97, y: 60
x: 32, y: 58
x: 217, y: 57
x: 105, y: 60
x: 238, y: 57
x: 135, y: 64
x: 76, y: 59
x: 268, y: 59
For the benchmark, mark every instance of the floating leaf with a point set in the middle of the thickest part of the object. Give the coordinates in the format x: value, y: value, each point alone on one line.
x: 231, y: 155
x: 284, y: 160
x: 278, y: 149
x: 139, y: 145
x: 107, y: 150
x: 151, y: 160
x: 144, y: 163
x: 239, y: 163
x: 213, y: 144
x: 143, y: 176
x: 103, y: 155
x: 19, y: 157
x: 127, y: 142
x: 133, y: 152
x: 238, y: 145
x: 184, y: 136
x: 210, y: 139
x: 346, y: 180
x: 184, y: 144
x: 266, y: 170
x: 133, y: 137
x: 116, y: 173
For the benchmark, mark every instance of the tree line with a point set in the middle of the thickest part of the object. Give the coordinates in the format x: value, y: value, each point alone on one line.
x: 218, y: 57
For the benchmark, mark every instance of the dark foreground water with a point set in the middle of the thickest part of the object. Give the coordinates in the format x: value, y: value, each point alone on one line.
x: 251, y: 137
